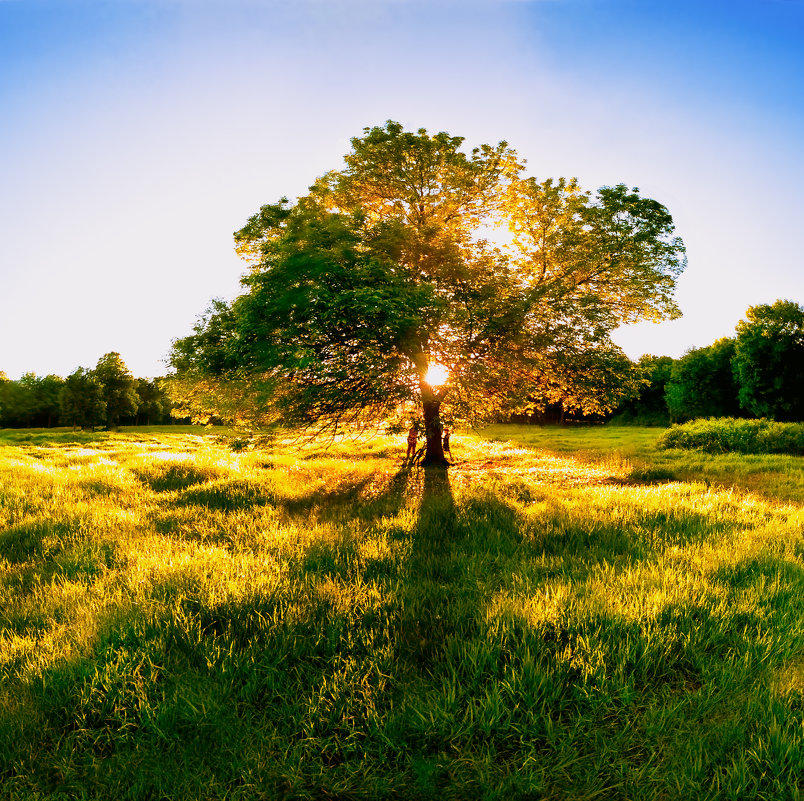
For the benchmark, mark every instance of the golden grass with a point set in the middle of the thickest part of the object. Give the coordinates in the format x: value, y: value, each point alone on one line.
x: 425, y: 609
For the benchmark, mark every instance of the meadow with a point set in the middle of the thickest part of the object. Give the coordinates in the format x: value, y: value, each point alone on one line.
x: 564, y: 613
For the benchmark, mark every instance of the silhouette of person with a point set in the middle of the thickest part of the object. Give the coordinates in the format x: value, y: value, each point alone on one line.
x: 446, y: 443
x: 413, y: 436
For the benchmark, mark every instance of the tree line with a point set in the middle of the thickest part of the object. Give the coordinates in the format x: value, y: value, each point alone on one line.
x: 757, y: 373
x: 106, y: 395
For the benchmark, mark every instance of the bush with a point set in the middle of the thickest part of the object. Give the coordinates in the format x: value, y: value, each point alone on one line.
x: 720, y: 435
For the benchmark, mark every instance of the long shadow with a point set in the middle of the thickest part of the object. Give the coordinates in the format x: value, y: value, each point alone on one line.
x: 436, y: 529
x: 437, y: 602
x: 441, y: 598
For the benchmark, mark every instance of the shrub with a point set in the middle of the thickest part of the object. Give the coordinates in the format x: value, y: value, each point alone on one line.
x: 720, y: 435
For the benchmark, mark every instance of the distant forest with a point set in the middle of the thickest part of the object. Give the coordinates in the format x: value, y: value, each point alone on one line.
x: 107, y: 395
x: 757, y: 373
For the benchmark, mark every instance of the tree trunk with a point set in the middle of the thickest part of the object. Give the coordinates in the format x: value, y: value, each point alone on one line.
x: 434, y: 452
x: 431, y: 406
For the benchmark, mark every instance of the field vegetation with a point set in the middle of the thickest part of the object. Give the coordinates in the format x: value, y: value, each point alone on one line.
x: 564, y: 613
x: 720, y: 435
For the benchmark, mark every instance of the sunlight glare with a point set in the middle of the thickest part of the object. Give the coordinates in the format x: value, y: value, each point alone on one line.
x: 436, y: 375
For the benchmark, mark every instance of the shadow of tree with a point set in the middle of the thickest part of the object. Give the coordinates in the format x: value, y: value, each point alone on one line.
x: 438, y: 600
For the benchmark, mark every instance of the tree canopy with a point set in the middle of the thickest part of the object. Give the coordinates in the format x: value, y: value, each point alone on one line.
x: 702, y: 383
x: 81, y: 399
x: 769, y: 360
x: 119, y: 388
x: 391, y: 265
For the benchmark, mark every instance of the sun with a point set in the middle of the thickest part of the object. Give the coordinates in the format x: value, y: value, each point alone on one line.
x: 436, y: 375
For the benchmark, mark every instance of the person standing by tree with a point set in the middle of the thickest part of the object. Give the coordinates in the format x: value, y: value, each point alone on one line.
x: 446, y: 443
x: 413, y: 438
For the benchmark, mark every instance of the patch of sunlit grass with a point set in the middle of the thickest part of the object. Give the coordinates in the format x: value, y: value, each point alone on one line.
x: 772, y: 475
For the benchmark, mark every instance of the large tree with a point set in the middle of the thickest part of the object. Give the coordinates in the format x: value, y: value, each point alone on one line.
x: 769, y: 360
x: 119, y: 388
x: 380, y: 288
x: 81, y: 399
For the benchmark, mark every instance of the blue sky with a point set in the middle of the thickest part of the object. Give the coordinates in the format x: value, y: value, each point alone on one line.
x: 137, y: 135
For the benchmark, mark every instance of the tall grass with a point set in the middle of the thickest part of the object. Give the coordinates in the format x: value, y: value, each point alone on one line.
x: 181, y: 621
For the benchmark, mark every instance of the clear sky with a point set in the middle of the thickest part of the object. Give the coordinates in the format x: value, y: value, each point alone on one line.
x: 137, y: 135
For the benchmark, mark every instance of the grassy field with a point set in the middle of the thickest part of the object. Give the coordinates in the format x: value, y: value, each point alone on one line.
x: 569, y: 614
